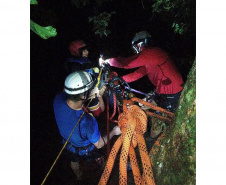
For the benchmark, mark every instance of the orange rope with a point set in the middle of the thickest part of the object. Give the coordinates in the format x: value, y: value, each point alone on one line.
x: 110, y: 162
x: 133, y: 124
x: 156, y: 145
x: 108, y: 131
x: 168, y: 120
x: 114, y: 110
x: 152, y: 106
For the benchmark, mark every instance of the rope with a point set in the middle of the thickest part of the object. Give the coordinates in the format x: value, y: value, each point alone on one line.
x: 98, y: 81
x: 114, y: 111
x: 111, y: 75
x: 156, y: 145
x: 168, y: 120
x: 108, y: 131
x: 133, y: 124
x: 152, y: 106
x: 98, y: 78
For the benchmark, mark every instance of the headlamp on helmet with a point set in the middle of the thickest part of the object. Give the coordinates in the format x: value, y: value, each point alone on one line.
x: 140, y: 40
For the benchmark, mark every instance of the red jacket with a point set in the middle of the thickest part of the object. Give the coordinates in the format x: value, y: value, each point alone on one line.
x: 155, y: 63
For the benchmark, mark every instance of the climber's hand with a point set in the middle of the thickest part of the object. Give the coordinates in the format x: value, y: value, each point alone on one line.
x: 107, y: 61
x: 102, y: 61
x: 117, y: 130
x: 94, y: 91
x: 97, y: 92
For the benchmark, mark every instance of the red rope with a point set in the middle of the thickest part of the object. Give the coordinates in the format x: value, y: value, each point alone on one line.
x: 114, y: 111
x: 118, y: 109
x: 108, y: 140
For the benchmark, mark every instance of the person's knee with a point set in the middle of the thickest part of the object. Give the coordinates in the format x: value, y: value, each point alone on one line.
x: 74, y: 166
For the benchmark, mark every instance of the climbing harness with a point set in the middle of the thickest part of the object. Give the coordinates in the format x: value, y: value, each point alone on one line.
x: 77, y: 149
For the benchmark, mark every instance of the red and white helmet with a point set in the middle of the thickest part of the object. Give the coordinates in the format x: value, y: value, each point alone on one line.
x: 75, y: 46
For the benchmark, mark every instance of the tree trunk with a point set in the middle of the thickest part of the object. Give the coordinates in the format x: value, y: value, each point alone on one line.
x: 174, y: 160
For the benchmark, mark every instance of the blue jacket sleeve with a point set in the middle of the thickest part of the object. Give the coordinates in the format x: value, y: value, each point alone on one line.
x: 93, y: 133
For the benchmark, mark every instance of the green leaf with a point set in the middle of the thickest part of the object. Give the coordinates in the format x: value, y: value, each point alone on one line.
x: 33, y: 2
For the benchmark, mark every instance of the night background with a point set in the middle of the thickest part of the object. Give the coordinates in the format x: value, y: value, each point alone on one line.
x: 47, y: 57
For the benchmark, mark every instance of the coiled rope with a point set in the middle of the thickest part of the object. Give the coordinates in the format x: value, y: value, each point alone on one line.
x: 133, y: 124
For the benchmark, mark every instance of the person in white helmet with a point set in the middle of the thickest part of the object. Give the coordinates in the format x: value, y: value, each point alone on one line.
x: 68, y: 107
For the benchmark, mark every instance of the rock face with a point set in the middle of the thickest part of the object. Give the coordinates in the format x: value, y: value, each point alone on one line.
x: 174, y: 160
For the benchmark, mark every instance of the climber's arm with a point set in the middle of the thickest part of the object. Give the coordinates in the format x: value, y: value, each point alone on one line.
x: 127, y: 63
x: 104, y: 140
x: 135, y: 75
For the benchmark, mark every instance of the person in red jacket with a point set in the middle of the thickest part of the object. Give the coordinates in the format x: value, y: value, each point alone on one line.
x: 158, y: 66
x: 160, y: 69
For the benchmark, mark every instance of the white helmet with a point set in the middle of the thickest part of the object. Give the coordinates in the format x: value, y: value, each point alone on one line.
x: 79, y: 82
x: 139, y: 40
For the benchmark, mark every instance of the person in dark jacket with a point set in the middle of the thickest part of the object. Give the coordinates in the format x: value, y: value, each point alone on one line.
x: 79, y: 61
x: 79, y: 57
